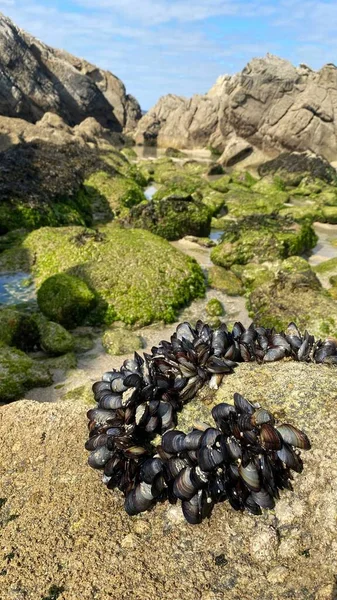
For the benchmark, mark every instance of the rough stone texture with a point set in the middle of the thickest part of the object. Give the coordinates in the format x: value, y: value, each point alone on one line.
x: 270, y: 106
x: 60, y: 523
x: 37, y: 79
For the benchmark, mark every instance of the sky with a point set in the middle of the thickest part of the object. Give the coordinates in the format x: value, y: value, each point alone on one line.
x: 180, y: 46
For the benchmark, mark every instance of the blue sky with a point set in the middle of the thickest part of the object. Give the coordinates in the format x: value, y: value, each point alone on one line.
x: 180, y: 46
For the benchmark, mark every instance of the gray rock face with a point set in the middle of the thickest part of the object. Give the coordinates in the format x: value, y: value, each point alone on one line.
x: 271, y: 106
x: 36, y: 79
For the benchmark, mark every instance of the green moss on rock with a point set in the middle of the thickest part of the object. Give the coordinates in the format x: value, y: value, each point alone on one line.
x: 174, y: 153
x: 294, y: 294
x: 173, y: 217
x: 18, y: 329
x: 65, y: 299
x: 136, y: 276
x: 261, y: 238
x: 113, y: 192
x: 215, y: 202
x: 54, y: 339
x: 215, y: 308
x: 19, y: 373
x: 129, y: 153
x: 221, y: 184
x: 121, y: 341
x: 225, y: 280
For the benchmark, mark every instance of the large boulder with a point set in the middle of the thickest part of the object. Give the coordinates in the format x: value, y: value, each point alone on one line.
x: 135, y: 275
x: 46, y: 484
x: 271, y: 106
x: 37, y: 79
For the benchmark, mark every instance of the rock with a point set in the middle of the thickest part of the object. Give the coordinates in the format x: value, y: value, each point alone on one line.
x: 38, y: 79
x: 19, y: 373
x: 294, y: 294
x: 54, y: 339
x: 121, y: 341
x: 112, y: 196
x: 261, y: 238
x: 65, y: 299
x: 45, y: 509
x: 215, y: 308
x: 236, y: 151
x: 50, y: 188
x: 173, y: 216
x: 215, y: 202
x: 18, y: 329
x: 174, y: 153
x: 135, y: 275
x: 270, y: 107
x: 215, y: 169
x: 292, y: 167
x: 225, y: 280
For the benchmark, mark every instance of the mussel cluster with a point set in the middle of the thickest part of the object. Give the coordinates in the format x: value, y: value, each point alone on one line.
x: 245, y: 459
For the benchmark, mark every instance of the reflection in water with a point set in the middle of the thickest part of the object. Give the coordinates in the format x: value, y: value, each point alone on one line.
x: 16, y: 288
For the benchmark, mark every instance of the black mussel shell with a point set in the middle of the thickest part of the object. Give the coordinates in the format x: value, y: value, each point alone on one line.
x: 242, y: 405
x: 197, y: 508
x: 293, y: 436
x: 99, y: 457
x: 270, y: 437
x: 150, y: 469
x: 173, y: 441
x: 192, y: 439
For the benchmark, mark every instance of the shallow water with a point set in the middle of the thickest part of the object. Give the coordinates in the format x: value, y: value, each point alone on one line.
x: 324, y: 249
x: 16, y: 288
x: 150, y: 191
x: 146, y: 152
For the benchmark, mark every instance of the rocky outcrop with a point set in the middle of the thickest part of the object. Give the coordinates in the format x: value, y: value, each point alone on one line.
x: 271, y: 106
x: 36, y: 79
x: 62, y: 524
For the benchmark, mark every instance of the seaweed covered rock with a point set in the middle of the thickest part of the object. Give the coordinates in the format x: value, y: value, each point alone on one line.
x: 65, y: 299
x: 173, y: 217
x: 18, y: 373
x: 225, y: 280
x: 54, y: 339
x: 121, y: 341
x: 260, y: 238
x: 294, y: 293
x: 49, y: 190
x: 292, y: 167
x: 112, y: 195
x: 135, y: 276
x: 18, y: 329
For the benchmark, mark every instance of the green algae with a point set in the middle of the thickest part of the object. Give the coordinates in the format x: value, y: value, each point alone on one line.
x: 225, y: 280
x: 134, y: 275
x: 65, y: 299
x: 215, y: 308
x: 19, y: 373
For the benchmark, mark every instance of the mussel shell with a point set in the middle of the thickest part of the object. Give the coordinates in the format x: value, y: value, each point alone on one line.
x: 96, y: 441
x: 222, y: 411
x: 210, y: 437
x: 209, y: 458
x: 101, y: 386
x: 173, y: 441
x: 252, y: 506
x: 293, y: 436
x: 249, y: 474
x: 135, y: 451
x: 192, y: 439
x: 185, y: 331
x: 233, y: 448
x: 99, y: 457
x: 117, y: 385
x: 174, y: 465
x: 197, y: 508
x: 183, y: 486
x: 270, y: 437
x: 261, y: 416
x: 242, y: 405
x: 275, y: 353
x: 150, y: 468
x: 111, y: 401
x: 263, y: 499
x: 99, y: 415
x: 290, y: 458
x: 138, y: 500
